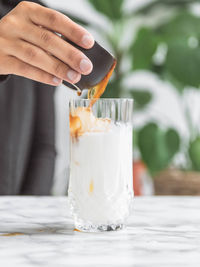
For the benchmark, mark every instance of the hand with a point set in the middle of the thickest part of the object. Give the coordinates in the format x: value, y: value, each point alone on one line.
x: 31, y: 47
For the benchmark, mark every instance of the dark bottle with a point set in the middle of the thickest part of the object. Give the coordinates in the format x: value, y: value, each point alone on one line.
x: 103, y: 62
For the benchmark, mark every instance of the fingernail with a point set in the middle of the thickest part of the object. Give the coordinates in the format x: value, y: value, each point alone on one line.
x: 87, y: 40
x: 73, y: 76
x: 56, y: 80
x: 86, y: 66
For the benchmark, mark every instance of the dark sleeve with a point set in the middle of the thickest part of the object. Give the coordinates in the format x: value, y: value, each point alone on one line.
x: 40, y: 170
x: 3, y: 78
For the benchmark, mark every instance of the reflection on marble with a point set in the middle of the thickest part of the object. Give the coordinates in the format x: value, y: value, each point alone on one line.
x: 162, y: 231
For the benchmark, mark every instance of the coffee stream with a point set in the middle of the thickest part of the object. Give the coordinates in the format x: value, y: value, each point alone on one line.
x: 83, y: 116
x: 97, y: 91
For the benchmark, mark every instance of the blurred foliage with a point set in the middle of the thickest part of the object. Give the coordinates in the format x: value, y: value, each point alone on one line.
x: 181, y: 35
x: 112, y: 8
x: 141, y: 98
x: 143, y: 49
x: 178, y: 63
x: 194, y: 153
x: 151, y: 6
x: 183, y: 63
x: 157, y: 146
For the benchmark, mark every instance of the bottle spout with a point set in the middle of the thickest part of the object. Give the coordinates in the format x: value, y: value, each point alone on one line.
x: 73, y: 86
x: 78, y: 89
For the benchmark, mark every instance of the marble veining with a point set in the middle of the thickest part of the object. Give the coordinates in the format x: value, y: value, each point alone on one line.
x: 38, y: 231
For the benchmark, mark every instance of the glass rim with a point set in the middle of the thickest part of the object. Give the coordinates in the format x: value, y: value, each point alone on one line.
x: 97, y: 99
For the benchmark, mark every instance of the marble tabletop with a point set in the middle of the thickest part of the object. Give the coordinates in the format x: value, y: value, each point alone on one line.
x: 38, y: 231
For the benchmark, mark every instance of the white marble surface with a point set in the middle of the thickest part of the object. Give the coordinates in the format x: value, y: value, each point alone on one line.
x: 162, y: 231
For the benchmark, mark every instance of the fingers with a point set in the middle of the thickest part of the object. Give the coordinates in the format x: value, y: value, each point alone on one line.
x: 59, y: 48
x: 58, y: 22
x: 38, y: 58
x: 23, y: 69
x: 28, y: 39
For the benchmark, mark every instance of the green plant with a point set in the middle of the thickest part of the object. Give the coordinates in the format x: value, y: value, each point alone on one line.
x: 157, y: 146
x: 194, y: 153
x: 180, y: 65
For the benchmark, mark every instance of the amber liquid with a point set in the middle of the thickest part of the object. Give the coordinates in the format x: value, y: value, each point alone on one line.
x: 93, y: 94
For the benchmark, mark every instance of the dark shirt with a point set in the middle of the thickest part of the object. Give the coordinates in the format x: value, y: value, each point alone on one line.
x: 27, y: 145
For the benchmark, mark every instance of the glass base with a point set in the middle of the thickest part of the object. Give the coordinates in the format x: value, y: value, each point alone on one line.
x: 92, y: 228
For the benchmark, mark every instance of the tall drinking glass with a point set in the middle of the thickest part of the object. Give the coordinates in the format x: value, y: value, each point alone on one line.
x: 100, y: 186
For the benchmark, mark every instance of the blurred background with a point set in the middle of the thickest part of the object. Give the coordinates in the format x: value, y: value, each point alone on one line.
x: 157, y: 47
